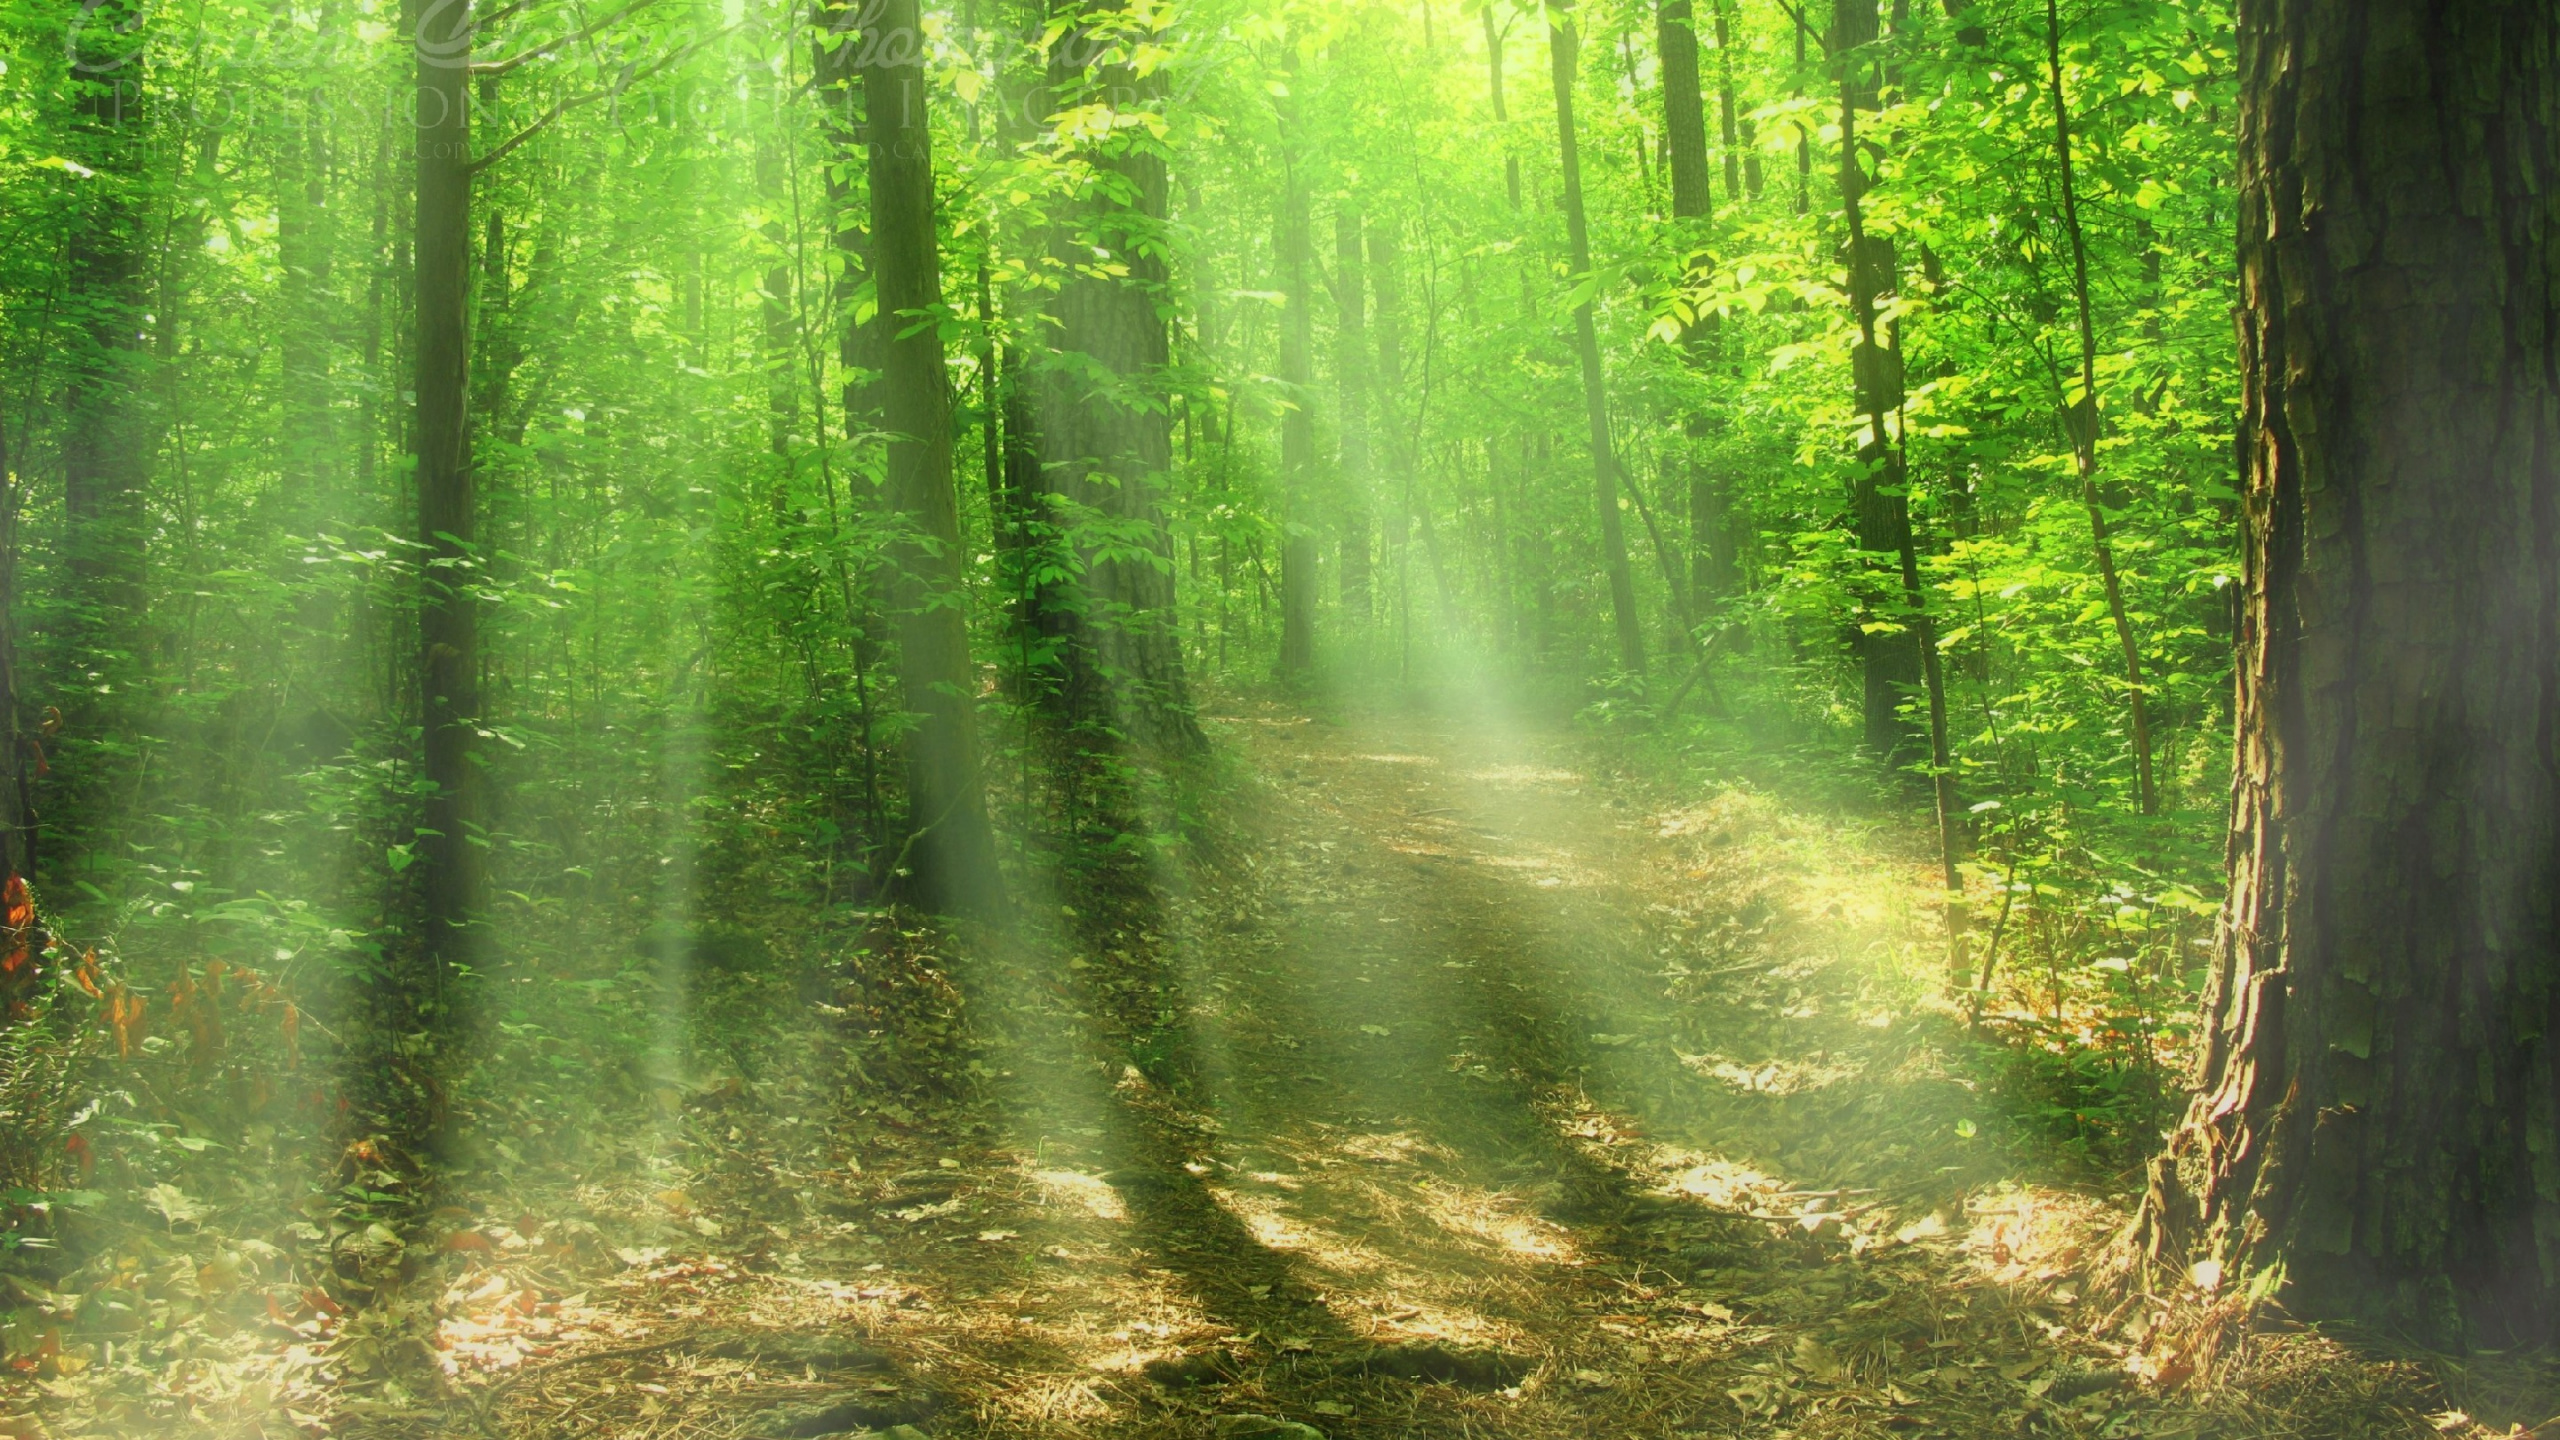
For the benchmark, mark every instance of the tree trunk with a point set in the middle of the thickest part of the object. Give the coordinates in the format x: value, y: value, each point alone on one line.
x: 1727, y: 109
x: 1106, y: 442
x: 1297, y: 438
x: 1351, y: 384
x: 1889, y: 659
x: 951, y: 854
x: 1561, y: 48
x: 1684, y: 117
x: 450, y: 879
x: 2080, y: 419
x: 2378, y: 1086
x: 1501, y: 116
x: 1898, y: 658
x: 17, y: 758
x: 1684, y: 127
x: 106, y: 445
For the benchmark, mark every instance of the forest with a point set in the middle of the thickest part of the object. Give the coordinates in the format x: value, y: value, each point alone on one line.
x: 1285, y: 718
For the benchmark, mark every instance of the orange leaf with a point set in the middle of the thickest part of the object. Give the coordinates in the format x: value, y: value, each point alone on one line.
x: 19, y: 907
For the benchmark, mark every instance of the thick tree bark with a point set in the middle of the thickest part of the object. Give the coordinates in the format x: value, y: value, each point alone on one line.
x: 450, y: 879
x: 1561, y: 48
x: 1106, y: 442
x: 1297, y: 438
x: 951, y: 854
x: 2379, y: 1083
x: 1351, y: 386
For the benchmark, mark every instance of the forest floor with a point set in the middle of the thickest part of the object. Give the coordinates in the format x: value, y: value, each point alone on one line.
x: 1457, y: 1087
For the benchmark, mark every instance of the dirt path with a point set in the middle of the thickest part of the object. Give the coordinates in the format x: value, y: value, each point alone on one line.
x: 1468, y: 1094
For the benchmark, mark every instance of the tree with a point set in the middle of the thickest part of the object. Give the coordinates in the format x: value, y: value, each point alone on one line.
x: 1106, y: 442
x: 953, y: 860
x: 450, y: 879
x: 1297, y: 434
x: 1351, y: 387
x: 2376, y: 1092
x: 106, y: 447
x: 1562, y: 46
x: 1684, y: 133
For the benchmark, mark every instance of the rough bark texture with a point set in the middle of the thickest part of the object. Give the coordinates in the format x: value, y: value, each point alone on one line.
x: 951, y: 855
x: 1106, y: 442
x: 1561, y: 50
x: 2380, y: 1087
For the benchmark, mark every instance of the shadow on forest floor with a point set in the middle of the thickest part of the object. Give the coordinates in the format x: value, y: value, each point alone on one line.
x: 1455, y: 1088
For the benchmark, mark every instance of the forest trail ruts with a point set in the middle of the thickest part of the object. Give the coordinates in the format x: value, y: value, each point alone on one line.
x: 1467, y: 1093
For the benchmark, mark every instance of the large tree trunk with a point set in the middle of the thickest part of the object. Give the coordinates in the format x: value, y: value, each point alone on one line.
x: 1297, y: 438
x: 1106, y: 441
x: 952, y: 855
x: 2379, y: 1084
x: 1561, y: 47
x: 450, y: 878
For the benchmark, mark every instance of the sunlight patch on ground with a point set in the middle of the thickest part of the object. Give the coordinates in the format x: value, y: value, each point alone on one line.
x: 1772, y: 1077
x: 1493, y: 1218
x: 1721, y: 1184
x: 1073, y: 1187
x: 2028, y: 1235
x: 1274, y: 1228
x: 1050, y: 1399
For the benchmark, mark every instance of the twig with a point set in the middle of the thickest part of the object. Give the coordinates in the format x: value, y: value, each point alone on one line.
x: 629, y: 78
x: 500, y: 67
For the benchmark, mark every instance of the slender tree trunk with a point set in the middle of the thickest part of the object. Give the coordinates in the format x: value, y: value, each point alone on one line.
x: 17, y: 767
x: 1890, y: 660
x: 2080, y: 418
x: 1351, y: 386
x: 106, y: 435
x: 1684, y: 127
x: 951, y: 847
x: 449, y: 845
x: 2377, y: 1089
x: 1501, y: 115
x: 1727, y: 110
x: 1297, y: 438
x: 1561, y: 46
